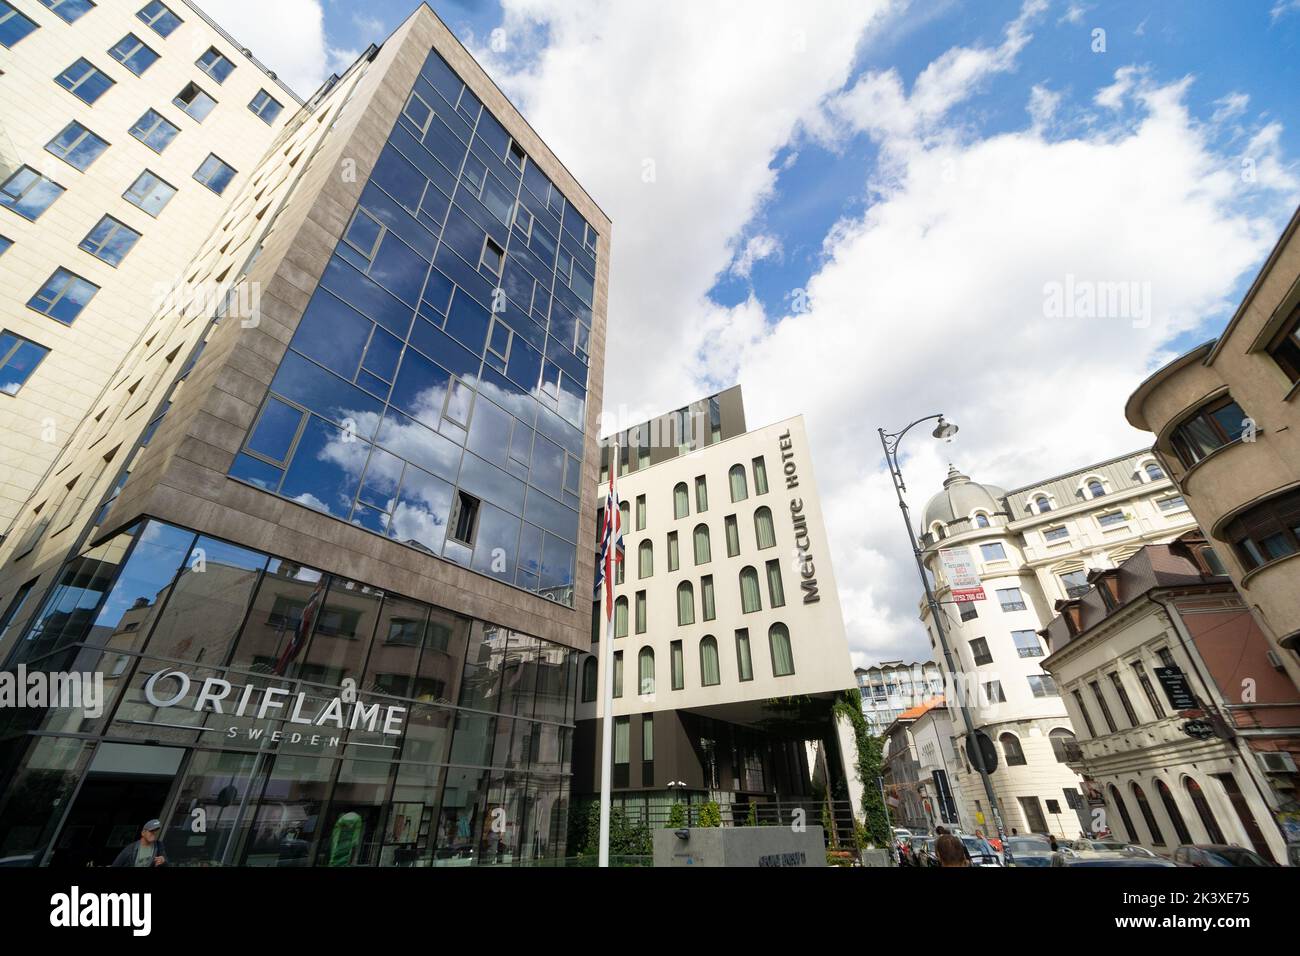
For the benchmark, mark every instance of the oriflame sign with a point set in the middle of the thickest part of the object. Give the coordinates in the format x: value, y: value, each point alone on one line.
x: 962, y: 577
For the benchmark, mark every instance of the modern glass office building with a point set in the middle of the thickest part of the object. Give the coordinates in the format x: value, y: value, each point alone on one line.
x: 318, y: 538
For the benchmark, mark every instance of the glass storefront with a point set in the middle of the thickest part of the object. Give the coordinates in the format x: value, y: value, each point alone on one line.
x: 272, y: 714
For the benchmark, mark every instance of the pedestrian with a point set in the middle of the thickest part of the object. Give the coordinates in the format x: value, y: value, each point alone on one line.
x: 950, y: 851
x: 146, y: 851
x: 1051, y: 838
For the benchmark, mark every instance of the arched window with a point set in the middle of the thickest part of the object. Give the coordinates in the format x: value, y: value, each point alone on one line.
x: 685, y: 603
x: 778, y: 637
x: 681, y: 501
x: 981, y: 520
x: 710, y: 672
x: 1012, y: 750
x: 1157, y: 838
x: 750, y: 598
x: 1155, y: 473
x: 764, y: 533
x: 1064, y: 745
x: 737, y: 477
x: 702, y: 551
x: 1175, y: 815
x: 645, y: 559
x: 1130, y: 834
x: 620, y: 617
x: 1095, y: 489
x: 624, y: 512
x: 937, y: 531
x: 1212, y: 829
x: 1043, y: 504
x: 589, y: 677
x: 645, y: 665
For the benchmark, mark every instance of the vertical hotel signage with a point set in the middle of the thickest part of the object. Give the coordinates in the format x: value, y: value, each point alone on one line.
x: 802, y: 543
x: 960, y: 571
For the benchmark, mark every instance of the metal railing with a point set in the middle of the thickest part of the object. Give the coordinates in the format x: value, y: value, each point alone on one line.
x: 835, y: 816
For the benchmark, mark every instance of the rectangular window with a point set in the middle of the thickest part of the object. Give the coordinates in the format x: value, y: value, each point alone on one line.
x: 775, y: 589
x: 155, y: 130
x: 678, y: 665
x: 1285, y: 346
x: 1043, y: 686
x: 69, y: 11
x: 1056, y: 534
x: 77, y: 146
x: 622, y: 737
x: 149, y: 193
x: 63, y: 296
x: 709, y: 609
x: 640, y: 612
x: 1148, y: 690
x: 674, y: 556
x: 701, y: 495
x: 733, y: 536
x: 993, y: 551
x: 1124, y: 700
x: 1075, y: 583
x: 744, y: 662
x: 640, y: 512
x: 1176, y: 503
x: 1027, y: 643
x: 28, y: 193
x: 194, y: 102
x: 159, y: 17
x: 1102, y: 705
x: 979, y: 649
x: 13, y: 25
x: 647, y: 738
x: 1011, y: 599
x: 214, y: 63
x: 760, y: 476
x: 5, y: 243
x: 133, y: 54
x: 15, y: 605
x: 110, y: 241
x: 1083, y: 711
x: 215, y: 173
x: 464, y: 518
x: 618, y: 677
x: 968, y: 611
x: 265, y: 107
x: 1110, y: 519
x: 492, y: 258
x: 993, y: 692
x: 84, y: 81
x: 19, y: 358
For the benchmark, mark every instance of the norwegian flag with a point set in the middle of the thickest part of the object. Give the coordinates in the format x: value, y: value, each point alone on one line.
x: 611, y: 548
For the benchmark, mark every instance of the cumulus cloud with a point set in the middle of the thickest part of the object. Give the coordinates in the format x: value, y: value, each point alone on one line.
x: 757, y: 248
x: 291, y: 42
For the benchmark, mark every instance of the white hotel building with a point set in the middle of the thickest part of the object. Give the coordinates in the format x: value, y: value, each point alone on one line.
x: 729, y: 643
x: 1033, y: 547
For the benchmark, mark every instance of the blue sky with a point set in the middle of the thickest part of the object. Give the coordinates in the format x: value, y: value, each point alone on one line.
x: 855, y: 209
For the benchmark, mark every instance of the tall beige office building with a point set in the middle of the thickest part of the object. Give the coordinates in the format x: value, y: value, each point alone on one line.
x: 125, y: 131
x: 317, y: 520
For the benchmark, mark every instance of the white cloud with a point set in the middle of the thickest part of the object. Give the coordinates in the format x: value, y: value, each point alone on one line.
x: 289, y: 40
x: 757, y: 248
x: 1074, y: 14
x: 698, y: 99
x: 1230, y: 106
x: 1126, y: 79
x: 1042, y: 105
x: 1283, y: 7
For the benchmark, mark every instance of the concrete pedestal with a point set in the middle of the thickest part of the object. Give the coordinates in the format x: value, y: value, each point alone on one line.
x: 740, y: 846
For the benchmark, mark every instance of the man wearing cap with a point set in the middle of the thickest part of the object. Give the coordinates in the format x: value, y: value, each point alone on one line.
x: 146, y: 851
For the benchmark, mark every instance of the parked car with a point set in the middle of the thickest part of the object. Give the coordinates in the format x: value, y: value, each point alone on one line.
x: 1218, y: 854
x: 1108, y: 858
x: 981, y: 851
x: 921, y: 849
x: 1033, y: 850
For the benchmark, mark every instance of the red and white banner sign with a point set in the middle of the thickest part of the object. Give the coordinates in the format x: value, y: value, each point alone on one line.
x: 963, y: 578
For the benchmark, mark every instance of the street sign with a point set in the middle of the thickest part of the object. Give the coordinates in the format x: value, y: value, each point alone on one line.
x: 983, y: 756
x: 963, y: 578
x: 1200, y: 729
x: 1179, y: 692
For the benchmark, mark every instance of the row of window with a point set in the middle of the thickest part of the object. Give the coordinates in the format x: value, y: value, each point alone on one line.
x: 1094, y: 488
x: 1009, y: 599
x: 1040, y: 685
x: 1119, y: 689
x: 1213, y: 832
x: 1027, y: 644
x: 778, y: 639
x: 88, y: 83
x: 751, y: 599
x: 764, y: 536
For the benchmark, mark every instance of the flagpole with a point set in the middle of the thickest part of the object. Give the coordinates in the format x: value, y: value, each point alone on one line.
x: 607, y: 698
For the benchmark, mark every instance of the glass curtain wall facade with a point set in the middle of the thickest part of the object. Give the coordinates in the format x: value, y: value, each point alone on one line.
x: 356, y: 727
x: 435, y: 389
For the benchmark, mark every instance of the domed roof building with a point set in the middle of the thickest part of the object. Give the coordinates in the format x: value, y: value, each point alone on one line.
x: 958, y: 503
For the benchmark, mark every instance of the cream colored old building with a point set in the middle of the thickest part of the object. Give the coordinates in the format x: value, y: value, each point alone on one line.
x: 1033, y: 547
x: 126, y: 131
x: 727, y: 616
x: 1227, y: 429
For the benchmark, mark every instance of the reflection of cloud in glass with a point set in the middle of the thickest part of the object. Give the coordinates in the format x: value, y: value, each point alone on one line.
x: 420, y: 517
x: 310, y: 501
